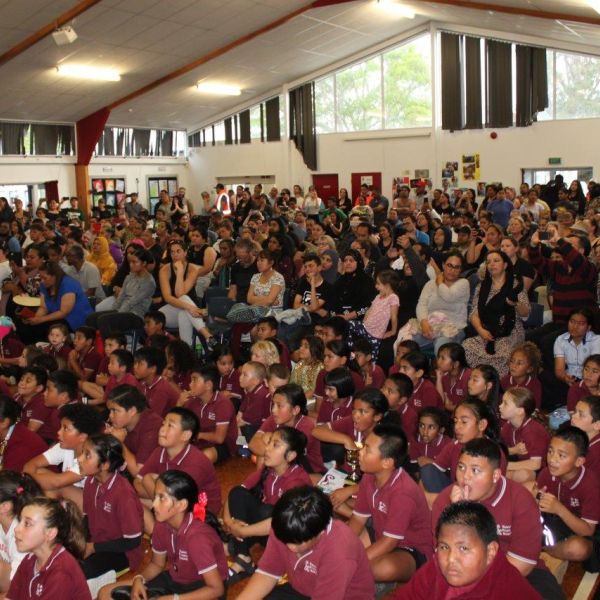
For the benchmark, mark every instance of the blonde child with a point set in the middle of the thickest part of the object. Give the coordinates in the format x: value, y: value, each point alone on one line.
x: 264, y: 352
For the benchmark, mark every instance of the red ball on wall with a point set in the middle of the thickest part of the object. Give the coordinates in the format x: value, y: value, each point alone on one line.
x: 493, y: 135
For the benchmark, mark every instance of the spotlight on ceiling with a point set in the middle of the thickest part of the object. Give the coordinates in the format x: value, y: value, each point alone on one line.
x: 218, y: 89
x: 85, y: 72
x: 396, y: 9
x: 64, y: 35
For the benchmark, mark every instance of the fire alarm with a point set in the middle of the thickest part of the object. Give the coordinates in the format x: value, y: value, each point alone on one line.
x: 493, y: 135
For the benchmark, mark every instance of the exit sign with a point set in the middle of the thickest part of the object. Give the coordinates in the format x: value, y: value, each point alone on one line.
x: 554, y: 160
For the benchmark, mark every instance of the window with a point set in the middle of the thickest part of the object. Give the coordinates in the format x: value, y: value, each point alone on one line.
x: 543, y: 176
x: 127, y: 141
x: 325, y: 105
x: 256, y: 125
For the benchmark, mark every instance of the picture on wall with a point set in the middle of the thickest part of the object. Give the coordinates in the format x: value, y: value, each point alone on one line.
x: 421, y: 173
x: 98, y: 185
x: 172, y: 187
x: 120, y: 185
x: 481, y: 188
x: 470, y: 167
x: 109, y: 185
x: 154, y: 188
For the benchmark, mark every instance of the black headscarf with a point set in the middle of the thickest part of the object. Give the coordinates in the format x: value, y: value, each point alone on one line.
x: 355, y: 290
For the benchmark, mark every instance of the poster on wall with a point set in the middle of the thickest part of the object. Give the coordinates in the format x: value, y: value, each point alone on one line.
x: 421, y: 173
x: 98, y: 185
x: 120, y: 185
x: 153, y: 188
x: 110, y: 185
x: 471, y: 167
x: 366, y: 180
x: 481, y: 188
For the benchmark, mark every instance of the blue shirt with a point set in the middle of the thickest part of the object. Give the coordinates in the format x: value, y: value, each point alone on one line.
x: 500, y: 210
x: 82, y: 308
x: 575, y: 355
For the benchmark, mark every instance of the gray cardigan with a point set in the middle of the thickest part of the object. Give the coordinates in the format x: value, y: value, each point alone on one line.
x: 136, y: 294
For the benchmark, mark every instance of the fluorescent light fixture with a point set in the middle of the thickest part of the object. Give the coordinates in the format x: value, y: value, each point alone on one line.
x: 218, y: 89
x: 396, y: 9
x: 85, y: 72
x: 595, y: 4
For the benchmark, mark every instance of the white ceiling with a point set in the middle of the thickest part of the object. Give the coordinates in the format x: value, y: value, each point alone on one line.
x: 147, y: 39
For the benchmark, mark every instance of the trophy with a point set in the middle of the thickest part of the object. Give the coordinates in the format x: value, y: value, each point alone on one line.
x: 352, y: 458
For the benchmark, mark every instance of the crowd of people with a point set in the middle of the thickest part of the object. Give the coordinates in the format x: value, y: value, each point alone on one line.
x: 417, y: 380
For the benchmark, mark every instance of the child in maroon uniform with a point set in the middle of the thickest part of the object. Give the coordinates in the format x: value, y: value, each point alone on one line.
x: 218, y: 428
x: 58, y: 341
x: 148, y: 364
x: 396, y: 506
x: 61, y: 389
x: 180, y: 360
x: 83, y: 359
x: 30, y: 396
x: 247, y: 511
x: 468, y: 562
x: 398, y: 389
x: 589, y: 384
x: 229, y: 376
x: 416, y: 366
x: 372, y: 374
x: 113, y: 510
x: 402, y: 349
x: 484, y: 385
x: 452, y: 374
x: 322, y: 557
x: 431, y: 439
x: 587, y: 418
x: 51, y: 535
x: 112, y: 342
x: 339, y: 391
x: 256, y: 401
x: 524, y: 436
x: 523, y: 368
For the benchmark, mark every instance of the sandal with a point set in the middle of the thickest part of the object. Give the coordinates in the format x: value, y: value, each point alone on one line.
x: 248, y: 569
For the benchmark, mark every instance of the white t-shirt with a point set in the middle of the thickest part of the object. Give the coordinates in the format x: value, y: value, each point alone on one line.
x: 8, y: 548
x: 56, y: 455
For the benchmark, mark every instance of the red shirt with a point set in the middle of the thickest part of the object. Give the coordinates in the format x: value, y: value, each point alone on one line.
x: 579, y: 494
x: 218, y: 411
x: 161, y: 396
x: 517, y: 517
x: 61, y: 351
x: 103, y: 366
x: 313, y: 446
x: 275, y: 485
x: 4, y: 389
x: 256, y: 405
x: 192, y: 550
x: 359, y: 383
x: 90, y: 361
x: 448, y: 457
x: 61, y: 577
x: 531, y: 383
x: 532, y: 433
x: 11, y: 347
x: 592, y: 458
x: 410, y: 421
x: 114, y: 511
x: 142, y: 440
x: 456, y: 391
x: 432, y: 449
x: 112, y: 383
x: 398, y: 510
x: 329, y: 412
x: 424, y: 395
x: 22, y: 446
x: 336, y: 568
x: 231, y: 383
x: 193, y: 462
x: 34, y: 409
x: 377, y: 377
x: 576, y: 393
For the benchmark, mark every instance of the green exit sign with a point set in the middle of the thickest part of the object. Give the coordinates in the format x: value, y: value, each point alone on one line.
x: 554, y: 160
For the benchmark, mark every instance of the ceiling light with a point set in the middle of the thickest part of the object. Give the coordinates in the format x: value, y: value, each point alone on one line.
x: 595, y: 4
x: 64, y: 35
x: 396, y: 9
x: 86, y: 72
x: 218, y: 89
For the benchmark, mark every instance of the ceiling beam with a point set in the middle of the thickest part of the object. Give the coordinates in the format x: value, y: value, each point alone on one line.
x: 46, y: 30
x: 222, y: 50
x: 516, y: 10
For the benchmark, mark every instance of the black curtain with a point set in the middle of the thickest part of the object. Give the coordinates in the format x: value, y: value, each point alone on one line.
x: 65, y: 139
x: 262, y: 122
x: 474, y: 118
x: 228, y: 131
x: 108, y: 138
x: 451, y: 82
x: 498, y: 84
x: 532, y: 84
x: 213, y: 135
x: 244, y: 127
x: 273, y: 123
x: 122, y: 142
x: 302, y: 123
x: 44, y: 139
x: 165, y: 143
x: 13, y: 137
x: 204, y: 137
x: 141, y: 142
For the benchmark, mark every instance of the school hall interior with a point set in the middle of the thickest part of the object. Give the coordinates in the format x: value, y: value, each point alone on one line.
x: 106, y: 98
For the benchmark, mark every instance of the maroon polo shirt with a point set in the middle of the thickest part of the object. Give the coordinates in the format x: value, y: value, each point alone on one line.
x: 231, y: 383
x: 275, y: 485
x: 532, y: 433
x: 517, y: 516
x: 11, y: 347
x: 218, y: 411
x: 114, y: 511
x: 61, y: 351
x: 447, y: 459
x: 575, y: 394
x: 377, y: 377
x: 192, y: 550
x: 61, y: 577
x: 34, y: 409
x: 161, y: 396
x: 431, y: 450
x: 112, y: 383
x: 457, y: 391
x: 329, y: 412
x: 4, y: 389
x: 256, y: 405
x: 592, y: 458
x: 142, y: 440
x: 359, y: 383
x: 313, y: 446
x: 22, y: 446
x: 398, y: 510
x: 103, y: 366
x: 425, y: 394
x: 533, y: 384
x: 193, y: 462
x: 409, y: 420
x: 579, y: 494
x: 336, y: 568
x: 182, y: 380
x: 90, y: 361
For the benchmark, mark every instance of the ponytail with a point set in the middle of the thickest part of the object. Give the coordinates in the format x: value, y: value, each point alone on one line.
x: 18, y: 488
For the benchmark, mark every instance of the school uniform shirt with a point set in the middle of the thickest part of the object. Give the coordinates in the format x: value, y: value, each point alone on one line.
x: 424, y: 394
x: 410, y: 421
x: 112, y: 383
x: 8, y: 548
x: 256, y: 405
x: 275, y: 485
x: 447, y: 459
x: 33, y: 409
x: 576, y: 392
x: 532, y: 433
x: 329, y: 412
x: 90, y: 362
x: 114, y: 511
x: 4, y: 389
x: 592, y: 458
x: 517, y: 516
x: 457, y: 391
x: 11, y: 347
x: 377, y: 377
x: 431, y: 449
x: 192, y: 550
x: 500, y: 581
x: 61, y: 456
x: 161, y: 396
x: 61, y: 577
x: 217, y: 411
x: 193, y: 462
x: 231, y: 383
x: 336, y: 568
x: 60, y: 351
x: 142, y: 440
x: 579, y: 494
x: 533, y: 384
x: 398, y: 510
x: 103, y: 366
x: 22, y: 446
x: 313, y: 446
x: 359, y: 383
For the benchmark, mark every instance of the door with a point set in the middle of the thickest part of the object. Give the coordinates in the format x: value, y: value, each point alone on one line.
x: 327, y: 186
x: 371, y: 179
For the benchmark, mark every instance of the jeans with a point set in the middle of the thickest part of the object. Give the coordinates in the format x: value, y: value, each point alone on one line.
x: 436, y: 343
x: 181, y: 319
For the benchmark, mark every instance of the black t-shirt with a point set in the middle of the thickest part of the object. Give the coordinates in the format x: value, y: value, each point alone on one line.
x: 240, y: 277
x: 324, y: 291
